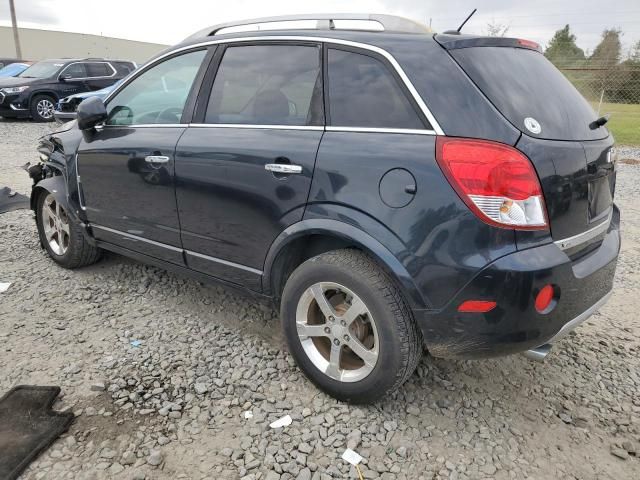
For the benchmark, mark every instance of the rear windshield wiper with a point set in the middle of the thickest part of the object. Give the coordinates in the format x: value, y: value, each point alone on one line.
x: 599, y: 122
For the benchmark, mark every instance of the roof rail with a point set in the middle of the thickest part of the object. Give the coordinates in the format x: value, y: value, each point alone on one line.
x: 325, y: 21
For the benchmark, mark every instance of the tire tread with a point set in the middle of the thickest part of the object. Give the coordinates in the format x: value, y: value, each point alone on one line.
x: 411, y: 338
x: 398, y: 316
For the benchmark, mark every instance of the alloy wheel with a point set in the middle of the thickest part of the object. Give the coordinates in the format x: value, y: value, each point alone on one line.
x: 56, y: 225
x: 337, y: 332
x: 45, y: 108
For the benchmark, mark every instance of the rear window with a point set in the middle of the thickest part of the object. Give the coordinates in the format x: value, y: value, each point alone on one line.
x: 364, y: 93
x: 533, y: 94
x: 98, y: 70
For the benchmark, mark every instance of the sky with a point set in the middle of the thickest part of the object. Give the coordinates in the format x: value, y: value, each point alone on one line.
x: 167, y: 22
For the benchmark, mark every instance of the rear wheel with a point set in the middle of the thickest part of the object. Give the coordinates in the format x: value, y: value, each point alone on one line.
x: 348, y: 326
x: 42, y: 108
x: 61, y: 237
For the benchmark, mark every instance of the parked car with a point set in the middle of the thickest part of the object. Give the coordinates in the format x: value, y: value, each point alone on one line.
x: 66, y: 108
x: 8, y: 61
x: 390, y: 190
x: 35, y: 92
x: 13, y: 69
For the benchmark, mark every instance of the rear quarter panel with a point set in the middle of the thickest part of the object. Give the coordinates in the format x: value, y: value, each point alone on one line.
x: 443, y: 243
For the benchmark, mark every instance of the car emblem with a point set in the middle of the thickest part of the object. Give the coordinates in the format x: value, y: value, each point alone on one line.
x: 532, y: 125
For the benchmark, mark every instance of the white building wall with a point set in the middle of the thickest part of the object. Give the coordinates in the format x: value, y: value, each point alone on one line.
x: 42, y: 44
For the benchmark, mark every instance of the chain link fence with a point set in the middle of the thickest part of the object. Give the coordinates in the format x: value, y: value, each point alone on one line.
x: 618, y: 84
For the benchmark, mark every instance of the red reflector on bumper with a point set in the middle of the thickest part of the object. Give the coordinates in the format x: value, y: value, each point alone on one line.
x: 544, y: 298
x: 476, y: 306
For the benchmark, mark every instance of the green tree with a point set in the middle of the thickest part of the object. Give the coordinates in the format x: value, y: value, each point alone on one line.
x: 634, y: 53
x: 563, y: 50
x: 608, y: 52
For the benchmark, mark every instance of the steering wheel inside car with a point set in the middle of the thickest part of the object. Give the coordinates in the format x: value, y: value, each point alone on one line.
x: 170, y: 115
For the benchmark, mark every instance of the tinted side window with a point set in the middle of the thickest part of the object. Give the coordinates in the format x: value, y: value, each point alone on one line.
x: 124, y: 68
x: 157, y: 95
x: 75, y: 70
x: 267, y: 85
x: 98, y: 70
x: 364, y: 93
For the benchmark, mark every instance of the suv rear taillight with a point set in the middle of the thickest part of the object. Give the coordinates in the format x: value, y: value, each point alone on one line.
x: 496, y: 181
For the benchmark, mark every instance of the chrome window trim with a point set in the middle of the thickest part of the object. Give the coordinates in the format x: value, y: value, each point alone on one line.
x: 145, y: 125
x: 261, y: 127
x: 410, y: 131
x: 570, y: 242
x: 311, y: 38
x: 224, y: 262
x: 90, y: 78
x: 249, y: 126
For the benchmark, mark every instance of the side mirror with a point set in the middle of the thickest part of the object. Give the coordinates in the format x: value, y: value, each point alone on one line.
x: 65, y: 78
x: 91, y: 111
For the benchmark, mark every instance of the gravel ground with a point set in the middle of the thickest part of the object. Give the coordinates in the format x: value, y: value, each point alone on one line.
x: 174, y: 406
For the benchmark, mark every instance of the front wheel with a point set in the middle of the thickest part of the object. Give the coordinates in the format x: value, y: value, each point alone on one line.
x: 61, y: 236
x: 42, y: 108
x: 348, y: 327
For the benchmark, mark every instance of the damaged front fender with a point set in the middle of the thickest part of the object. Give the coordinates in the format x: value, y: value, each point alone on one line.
x: 57, y: 170
x: 56, y: 173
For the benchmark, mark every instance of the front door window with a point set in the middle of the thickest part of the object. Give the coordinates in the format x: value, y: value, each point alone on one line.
x: 158, y: 95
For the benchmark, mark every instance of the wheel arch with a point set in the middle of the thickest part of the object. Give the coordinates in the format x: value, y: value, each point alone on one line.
x: 55, y: 185
x: 308, y: 238
x: 46, y: 91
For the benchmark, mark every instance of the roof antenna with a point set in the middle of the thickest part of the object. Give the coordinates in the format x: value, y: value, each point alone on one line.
x: 466, y: 20
x: 457, y: 32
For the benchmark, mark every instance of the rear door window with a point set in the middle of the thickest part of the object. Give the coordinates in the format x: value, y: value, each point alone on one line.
x: 75, y: 70
x: 364, y: 93
x: 123, y: 68
x: 268, y: 85
x: 530, y: 92
x: 98, y: 70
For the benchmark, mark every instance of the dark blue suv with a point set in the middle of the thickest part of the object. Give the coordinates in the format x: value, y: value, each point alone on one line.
x: 393, y: 190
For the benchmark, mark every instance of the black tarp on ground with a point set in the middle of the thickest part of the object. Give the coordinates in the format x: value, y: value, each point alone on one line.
x: 15, y: 202
x: 28, y: 426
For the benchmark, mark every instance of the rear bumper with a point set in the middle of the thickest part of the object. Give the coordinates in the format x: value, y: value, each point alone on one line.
x: 513, y: 282
x: 539, y: 353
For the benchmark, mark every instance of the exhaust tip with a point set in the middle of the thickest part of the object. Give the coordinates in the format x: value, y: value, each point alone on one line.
x: 539, y: 353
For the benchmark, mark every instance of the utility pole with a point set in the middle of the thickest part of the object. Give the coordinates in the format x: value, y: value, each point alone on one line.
x: 14, y: 24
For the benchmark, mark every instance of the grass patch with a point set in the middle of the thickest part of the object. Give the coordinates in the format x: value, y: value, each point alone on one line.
x: 624, y: 122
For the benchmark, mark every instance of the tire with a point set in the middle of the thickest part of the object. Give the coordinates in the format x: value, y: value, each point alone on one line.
x: 42, y: 108
x: 61, y: 237
x: 378, y: 324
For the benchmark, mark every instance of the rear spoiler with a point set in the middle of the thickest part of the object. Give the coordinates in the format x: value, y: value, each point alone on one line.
x: 452, y: 42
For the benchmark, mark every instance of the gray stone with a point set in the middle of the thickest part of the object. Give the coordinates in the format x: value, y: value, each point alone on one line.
x: 305, y: 474
x: 128, y: 458
x: 201, y: 388
x: 155, y: 458
x: 619, y: 452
